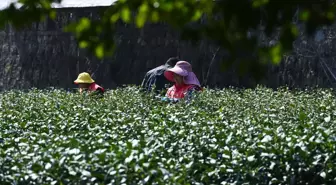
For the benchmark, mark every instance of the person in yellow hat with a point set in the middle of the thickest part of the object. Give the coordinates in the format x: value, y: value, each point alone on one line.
x: 86, y: 83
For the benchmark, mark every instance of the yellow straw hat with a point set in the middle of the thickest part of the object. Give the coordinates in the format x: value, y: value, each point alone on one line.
x: 84, y: 78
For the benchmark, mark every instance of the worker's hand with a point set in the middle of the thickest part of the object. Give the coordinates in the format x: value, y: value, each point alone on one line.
x: 171, y: 100
x: 84, y: 91
x: 164, y: 99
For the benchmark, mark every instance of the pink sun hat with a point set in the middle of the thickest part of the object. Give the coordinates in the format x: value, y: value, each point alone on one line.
x: 184, y: 69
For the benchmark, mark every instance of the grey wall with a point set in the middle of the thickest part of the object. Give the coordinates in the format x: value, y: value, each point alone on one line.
x: 44, y: 56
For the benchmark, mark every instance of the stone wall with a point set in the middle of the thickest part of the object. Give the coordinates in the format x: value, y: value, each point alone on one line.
x: 44, y: 56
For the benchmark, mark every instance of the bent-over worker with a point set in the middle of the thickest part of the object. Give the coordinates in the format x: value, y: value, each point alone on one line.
x: 186, y: 82
x: 155, y: 77
x: 86, y: 83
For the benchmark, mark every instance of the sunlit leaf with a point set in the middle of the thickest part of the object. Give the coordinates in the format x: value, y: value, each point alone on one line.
x: 276, y: 53
x: 83, y: 24
x: 99, y: 51
x: 304, y: 15
x: 115, y: 17
x: 83, y: 44
x: 155, y: 16
x: 142, y: 15
x: 197, y: 15
x: 52, y: 14
x: 258, y: 3
x: 126, y: 14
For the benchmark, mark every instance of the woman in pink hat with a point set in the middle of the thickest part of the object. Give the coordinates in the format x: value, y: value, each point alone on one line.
x: 185, y: 80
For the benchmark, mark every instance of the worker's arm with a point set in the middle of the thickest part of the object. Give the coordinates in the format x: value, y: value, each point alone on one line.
x: 144, y: 83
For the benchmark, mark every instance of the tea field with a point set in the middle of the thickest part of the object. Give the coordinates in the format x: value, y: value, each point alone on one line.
x: 228, y: 136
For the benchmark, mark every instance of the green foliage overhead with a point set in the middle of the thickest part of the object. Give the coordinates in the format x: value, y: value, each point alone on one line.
x: 226, y: 136
x: 227, y: 22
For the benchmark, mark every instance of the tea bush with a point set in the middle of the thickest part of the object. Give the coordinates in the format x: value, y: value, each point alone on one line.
x: 228, y: 136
